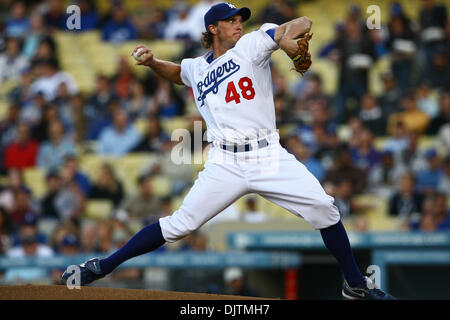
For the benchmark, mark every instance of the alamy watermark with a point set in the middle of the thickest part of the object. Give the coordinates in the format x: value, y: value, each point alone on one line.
x: 74, y: 280
x: 256, y: 147
x: 374, y: 20
x: 73, y: 21
x: 374, y: 273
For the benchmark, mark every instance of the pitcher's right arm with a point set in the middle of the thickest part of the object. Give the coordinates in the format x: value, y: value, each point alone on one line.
x: 165, y: 69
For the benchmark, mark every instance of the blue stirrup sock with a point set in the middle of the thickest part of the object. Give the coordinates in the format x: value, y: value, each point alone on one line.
x: 336, y: 240
x: 147, y: 239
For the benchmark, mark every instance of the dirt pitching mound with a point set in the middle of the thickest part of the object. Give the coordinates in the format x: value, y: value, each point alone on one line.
x: 36, y: 292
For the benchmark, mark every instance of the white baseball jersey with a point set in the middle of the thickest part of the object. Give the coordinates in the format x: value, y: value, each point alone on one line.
x: 234, y: 96
x: 234, y: 92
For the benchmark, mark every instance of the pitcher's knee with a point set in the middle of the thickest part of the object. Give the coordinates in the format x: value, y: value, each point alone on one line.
x: 324, y: 214
x: 177, y: 226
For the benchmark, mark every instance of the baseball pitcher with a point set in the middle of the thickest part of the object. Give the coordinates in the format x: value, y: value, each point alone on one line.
x: 232, y: 88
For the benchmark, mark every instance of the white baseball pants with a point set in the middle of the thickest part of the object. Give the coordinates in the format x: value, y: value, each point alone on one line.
x: 271, y: 172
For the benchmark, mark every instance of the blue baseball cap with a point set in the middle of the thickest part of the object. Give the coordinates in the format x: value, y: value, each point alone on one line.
x: 225, y: 10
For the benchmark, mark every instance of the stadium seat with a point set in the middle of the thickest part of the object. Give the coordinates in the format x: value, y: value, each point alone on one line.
x: 35, y: 179
x: 376, y: 214
x: 129, y: 168
x: 91, y: 163
x: 98, y: 209
x: 162, y: 185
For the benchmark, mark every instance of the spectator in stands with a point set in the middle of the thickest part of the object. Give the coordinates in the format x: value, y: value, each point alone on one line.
x: 5, y: 231
x: 402, y: 44
x: 77, y: 121
x: 22, y: 206
x: 50, y: 115
x: 180, y: 174
x: 70, y: 172
x: 107, y: 186
x: 8, y: 130
x: 20, y: 94
x: 54, y: 15
x: 144, y: 204
x: 69, y: 245
x: 303, y: 154
x: 320, y: 133
x: 235, y: 283
x: 22, y: 153
x: 389, y: 100
x: 278, y: 12
x: 311, y: 90
x: 251, y: 213
x: 98, y: 106
x: 166, y: 101
x: 45, y: 51
x: 364, y: 155
x: 344, y: 168
x: 427, y: 101
x: 52, y: 152
x: 18, y: 24
x: 101, y: 97
x: 12, y: 62
x: 383, y: 177
x: 435, y: 216
x: 356, y: 55
x: 15, y: 182
x: 70, y: 202
x: 154, y: 138
x: 373, y: 115
x: 34, y: 36
x: 29, y: 247
x: 156, y: 25
x: 103, y: 238
x: 434, y: 30
x: 123, y: 79
x: 30, y: 225
x: 284, y: 100
x: 343, y: 197
x: 119, y: 28
x: 410, y: 115
x: 406, y: 202
x: 179, y: 25
x: 196, y: 17
x: 444, y: 114
x: 33, y: 113
x: 439, y: 74
x: 399, y: 140
x: 138, y: 105
x: 48, y: 207
x: 62, y: 101
x: 428, y: 179
x: 444, y: 180
x: 50, y: 78
x: 118, y: 139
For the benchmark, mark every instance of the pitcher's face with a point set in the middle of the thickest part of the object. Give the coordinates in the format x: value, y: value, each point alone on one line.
x: 230, y: 30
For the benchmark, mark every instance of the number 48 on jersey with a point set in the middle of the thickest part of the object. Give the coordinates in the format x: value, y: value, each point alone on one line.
x: 247, y: 91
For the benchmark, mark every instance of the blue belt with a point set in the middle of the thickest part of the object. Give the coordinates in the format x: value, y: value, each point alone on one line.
x: 244, y: 147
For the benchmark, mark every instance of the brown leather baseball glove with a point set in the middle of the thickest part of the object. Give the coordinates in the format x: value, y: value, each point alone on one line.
x: 302, y: 58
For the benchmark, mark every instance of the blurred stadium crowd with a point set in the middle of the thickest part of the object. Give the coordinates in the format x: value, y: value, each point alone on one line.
x: 82, y: 169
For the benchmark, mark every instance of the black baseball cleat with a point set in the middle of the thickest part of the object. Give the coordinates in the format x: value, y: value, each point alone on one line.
x: 89, y: 272
x: 368, y: 291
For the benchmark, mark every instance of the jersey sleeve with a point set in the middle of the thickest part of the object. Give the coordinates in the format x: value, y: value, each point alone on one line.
x: 186, y: 72
x: 258, y: 45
